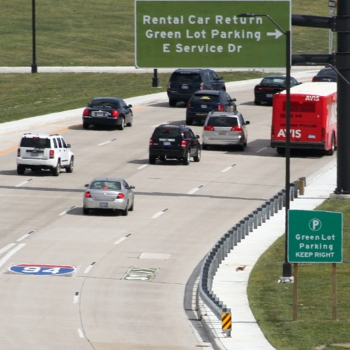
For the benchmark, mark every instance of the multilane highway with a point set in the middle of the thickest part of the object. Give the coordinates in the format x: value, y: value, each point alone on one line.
x: 130, y: 280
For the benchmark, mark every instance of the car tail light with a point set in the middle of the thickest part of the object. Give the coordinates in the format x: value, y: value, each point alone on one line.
x: 236, y: 128
x: 18, y: 152
x: 87, y: 194
x: 169, y: 85
x: 86, y: 112
x: 272, y: 133
x: 188, y: 105
x: 209, y: 128
x: 52, y: 154
x: 120, y: 196
x: 221, y: 107
x: 184, y: 144
x: 323, y: 133
x: 202, y: 87
x: 151, y: 142
x: 313, y: 79
x: 115, y: 114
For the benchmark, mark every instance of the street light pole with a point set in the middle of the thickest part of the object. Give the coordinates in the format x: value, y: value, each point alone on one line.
x: 34, y: 66
x: 287, y: 267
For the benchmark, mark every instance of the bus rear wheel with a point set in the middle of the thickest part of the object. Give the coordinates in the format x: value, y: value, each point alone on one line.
x: 330, y: 152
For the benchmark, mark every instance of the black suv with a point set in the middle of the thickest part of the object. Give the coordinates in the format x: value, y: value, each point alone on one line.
x: 174, y: 142
x: 184, y: 82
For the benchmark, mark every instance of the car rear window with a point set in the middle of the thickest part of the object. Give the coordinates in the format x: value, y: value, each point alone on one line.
x: 222, y: 121
x: 205, y: 98
x: 105, y: 104
x: 166, y: 132
x: 268, y: 81
x: 106, y: 185
x: 35, y: 142
x: 326, y: 72
x: 184, y: 78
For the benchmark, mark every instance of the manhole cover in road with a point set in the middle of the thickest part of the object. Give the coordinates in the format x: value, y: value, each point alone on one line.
x: 140, y: 274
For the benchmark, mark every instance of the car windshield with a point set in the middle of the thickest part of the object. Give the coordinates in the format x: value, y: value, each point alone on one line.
x: 222, y: 121
x: 205, y: 98
x: 35, y: 142
x: 185, y: 78
x: 106, y: 185
x: 166, y: 132
x: 277, y: 80
x: 105, y: 104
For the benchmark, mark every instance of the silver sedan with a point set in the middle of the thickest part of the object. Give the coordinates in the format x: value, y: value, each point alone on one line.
x: 109, y: 193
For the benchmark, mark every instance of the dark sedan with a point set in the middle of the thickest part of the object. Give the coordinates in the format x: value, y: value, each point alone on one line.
x: 264, y: 91
x: 204, y: 101
x: 107, y: 111
x: 325, y: 74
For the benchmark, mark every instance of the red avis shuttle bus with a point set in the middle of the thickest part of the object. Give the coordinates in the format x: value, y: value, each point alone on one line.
x: 313, y: 118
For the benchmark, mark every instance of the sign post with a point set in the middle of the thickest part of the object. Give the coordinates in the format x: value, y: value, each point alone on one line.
x: 197, y: 33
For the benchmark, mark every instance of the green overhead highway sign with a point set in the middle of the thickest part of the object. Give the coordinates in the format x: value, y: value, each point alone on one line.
x: 315, y: 236
x: 196, y: 33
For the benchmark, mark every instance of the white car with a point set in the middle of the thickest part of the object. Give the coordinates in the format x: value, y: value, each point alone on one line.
x: 225, y: 129
x: 44, y: 151
x: 108, y: 193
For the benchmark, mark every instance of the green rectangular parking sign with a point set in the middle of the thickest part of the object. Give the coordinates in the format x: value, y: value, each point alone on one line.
x: 202, y: 34
x: 315, y: 236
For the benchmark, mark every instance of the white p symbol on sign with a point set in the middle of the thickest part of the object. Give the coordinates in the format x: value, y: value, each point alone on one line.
x: 315, y: 224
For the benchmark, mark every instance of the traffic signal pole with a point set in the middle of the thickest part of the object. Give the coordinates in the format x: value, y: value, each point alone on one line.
x: 342, y: 63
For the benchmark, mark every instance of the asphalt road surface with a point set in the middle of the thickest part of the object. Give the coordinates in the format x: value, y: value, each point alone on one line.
x: 129, y: 279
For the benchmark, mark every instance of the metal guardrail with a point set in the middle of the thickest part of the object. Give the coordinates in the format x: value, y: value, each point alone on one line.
x: 230, y: 239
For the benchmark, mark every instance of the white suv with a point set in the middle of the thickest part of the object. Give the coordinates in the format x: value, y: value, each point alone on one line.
x: 43, y: 151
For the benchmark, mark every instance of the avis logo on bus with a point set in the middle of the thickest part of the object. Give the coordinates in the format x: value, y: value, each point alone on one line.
x: 296, y: 133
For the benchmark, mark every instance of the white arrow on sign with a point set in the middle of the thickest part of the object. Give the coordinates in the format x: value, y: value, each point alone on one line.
x: 276, y: 33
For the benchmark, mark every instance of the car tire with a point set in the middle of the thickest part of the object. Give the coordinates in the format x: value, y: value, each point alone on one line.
x: 152, y: 160
x: 130, y: 122
x: 125, y: 212
x: 20, y: 169
x: 258, y: 103
x: 204, y: 146
x: 189, y: 121
x: 132, y: 206
x: 70, y: 167
x: 186, y: 159
x: 172, y: 103
x: 330, y: 152
x: 197, y: 158
x: 86, y: 126
x: 122, y: 124
x: 86, y: 211
x: 56, y: 171
x: 281, y: 150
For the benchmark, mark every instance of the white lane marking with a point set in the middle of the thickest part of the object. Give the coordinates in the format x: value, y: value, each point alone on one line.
x: 195, y: 189
x: 263, y: 149
x: 80, y: 332
x: 142, y: 166
x: 24, y: 182
x: 66, y: 211
x: 89, y: 267
x: 10, y: 253
x: 76, y: 298
x: 104, y: 143
x: 24, y: 236
x: 154, y: 126
x: 228, y: 168
x: 7, y: 247
x: 120, y: 240
x: 159, y: 214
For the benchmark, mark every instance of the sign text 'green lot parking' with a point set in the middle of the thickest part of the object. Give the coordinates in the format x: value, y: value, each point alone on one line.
x: 315, y: 236
x: 196, y: 33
